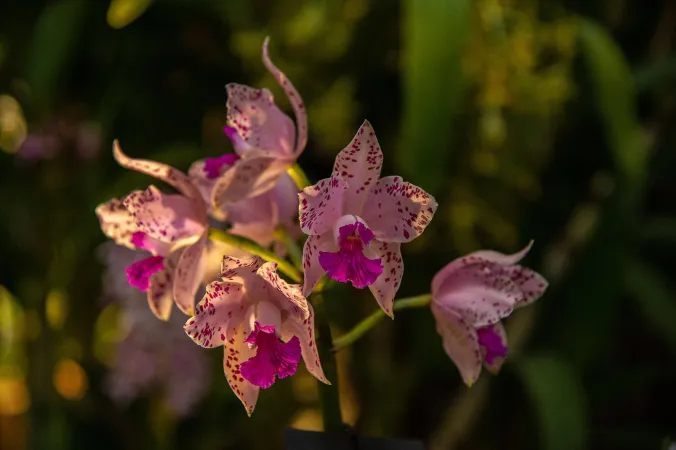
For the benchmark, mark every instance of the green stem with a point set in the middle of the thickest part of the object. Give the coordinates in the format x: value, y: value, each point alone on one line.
x: 298, y: 176
x: 333, y: 422
x: 293, y: 249
x: 365, y: 325
x: 251, y: 247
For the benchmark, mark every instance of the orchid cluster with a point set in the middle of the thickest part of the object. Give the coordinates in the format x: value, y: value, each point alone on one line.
x: 245, y: 208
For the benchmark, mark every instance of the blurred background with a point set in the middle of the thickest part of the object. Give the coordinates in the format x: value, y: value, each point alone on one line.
x: 551, y: 120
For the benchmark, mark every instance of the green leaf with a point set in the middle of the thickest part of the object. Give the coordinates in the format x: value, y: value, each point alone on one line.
x: 559, y: 401
x: 56, y: 30
x: 657, y: 74
x: 614, y: 87
x: 654, y: 298
x: 435, y: 32
x: 123, y: 12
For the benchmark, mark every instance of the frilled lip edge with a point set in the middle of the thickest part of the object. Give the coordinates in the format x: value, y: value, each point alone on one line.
x: 347, y: 439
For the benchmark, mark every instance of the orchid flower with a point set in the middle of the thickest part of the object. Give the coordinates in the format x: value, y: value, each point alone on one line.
x: 470, y: 296
x: 173, y: 228
x: 264, y: 325
x: 265, y: 139
x: 357, y: 222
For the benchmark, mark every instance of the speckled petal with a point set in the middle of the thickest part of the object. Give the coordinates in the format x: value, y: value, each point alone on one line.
x: 496, y: 364
x: 163, y: 172
x: 240, y: 270
x: 160, y: 294
x: 460, y: 342
x: 167, y: 218
x: 236, y: 351
x: 258, y: 121
x: 117, y: 222
x: 397, y: 211
x: 204, y: 184
x: 248, y: 177
x: 188, y: 275
x: 304, y: 328
x: 312, y: 269
x: 289, y: 296
x: 217, y: 315
x: 387, y: 284
x: 531, y: 284
x: 359, y: 164
x: 294, y: 98
x: 321, y: 205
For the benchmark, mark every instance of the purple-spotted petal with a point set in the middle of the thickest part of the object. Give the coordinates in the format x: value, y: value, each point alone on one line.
x: 160, y: 293
x: 236, y: 351
x: 258, y: 121
x: 287, y: 296
x: 398, y: 211
x: 139, y: 273
x: 217, y: 315
x: 321, y: 205
x: 117, y: 222
x: 143, y: 241
x: 294, y: 98
x: 167, y: 218
x: 188, y: 275
x: 304, y: 329
x: 359, y: 164
x: 163, y: 172
x: 273, y: 357
x: 249, y: 177
x: 493, y: 343
x: 312, y: 269
x: 387, y: 284
x: 531, y: 284
x: 460, y: 342
x: 240, y: 270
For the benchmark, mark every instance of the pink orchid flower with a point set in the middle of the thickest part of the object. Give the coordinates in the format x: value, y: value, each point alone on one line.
x: 357, y: 221
x: 265, y: 139
x: 470, y: 296
x: 264, y: 325
x: 173, y: 228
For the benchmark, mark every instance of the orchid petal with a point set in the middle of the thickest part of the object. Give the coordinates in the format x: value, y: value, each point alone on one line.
x: 248, y: 177
x: 305, y: 330
x: 321, y: 205
x: 236, y: 351
x: 163, y: 172
x: 482, y: 293
x: 460, y: 342
x: 160, y: 293
x: 397, y: 211
x: 204, y: 185
x: 288, y: 296
x: 495, y: 365
x: 294, y: 98
x: 188, y: 275
x: 387, y: 284
x: 240, y: 270
x: 359, y: 164
x: 481, y: 256
x: 117, y: 222
x: 531, y: 284
x: 312, y: 269
x: 167, y: 218
x: 217, y: 315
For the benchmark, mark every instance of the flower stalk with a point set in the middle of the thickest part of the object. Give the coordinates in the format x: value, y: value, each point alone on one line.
x: 298, y: 176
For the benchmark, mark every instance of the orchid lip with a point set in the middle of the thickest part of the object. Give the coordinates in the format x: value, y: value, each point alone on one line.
x: 274, y: 357
x: 214, y: 166
x: 139, y: 273
x: 491, y: 342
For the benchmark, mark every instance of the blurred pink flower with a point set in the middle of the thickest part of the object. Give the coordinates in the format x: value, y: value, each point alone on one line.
x: 84, y: 137
x: 152, y: 353
x: 173, y: 228
x: 264, y: 324
x: 470, y: 296
x: 357, y: 222
x: 265, y: 139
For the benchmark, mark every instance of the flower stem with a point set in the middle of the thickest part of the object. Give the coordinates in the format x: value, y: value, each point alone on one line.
x: 333, y: 422
x: 293, y: 249
x: 251, y: 247
x: 365, y: 325
x: 298, y: 176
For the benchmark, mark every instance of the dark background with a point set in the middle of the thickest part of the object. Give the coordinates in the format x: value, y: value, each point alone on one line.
x: 546, y: 120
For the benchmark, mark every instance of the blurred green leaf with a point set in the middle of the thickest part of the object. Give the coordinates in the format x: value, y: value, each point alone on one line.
x: 660, y: 230
x: 56, y: 31
x: 655, y: 299
x: 559, y: 401
x: 123, y: 12
x: 656, y: 74
x: 615, y: 96
x: 435, y: 32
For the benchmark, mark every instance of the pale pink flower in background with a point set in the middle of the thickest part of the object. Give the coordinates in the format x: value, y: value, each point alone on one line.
x: 265, y: 140
x: 264, y: 324
x: 470, y: 296
x: 357, y: 221
x: 173, y: 228
x: 152, y: 353
x: 83, y: 137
